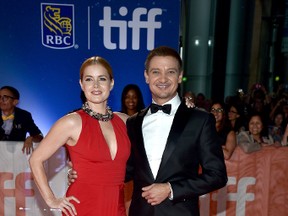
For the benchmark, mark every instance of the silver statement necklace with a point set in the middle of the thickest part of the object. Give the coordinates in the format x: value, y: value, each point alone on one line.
x: 100, y: 117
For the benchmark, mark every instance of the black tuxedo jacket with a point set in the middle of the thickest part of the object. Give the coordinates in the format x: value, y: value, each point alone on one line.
x: 192, y: 144
x: 23, y: 123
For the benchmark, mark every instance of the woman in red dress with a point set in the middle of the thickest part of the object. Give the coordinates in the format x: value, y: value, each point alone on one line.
x: 98, y: 146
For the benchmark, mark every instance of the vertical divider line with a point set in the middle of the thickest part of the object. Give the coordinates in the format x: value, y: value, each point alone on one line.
x: 88, y: 29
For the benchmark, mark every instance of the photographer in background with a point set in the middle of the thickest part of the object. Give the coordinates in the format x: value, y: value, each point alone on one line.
x: 259, y: 101
x: 15, y: 122
x: 281, y: 104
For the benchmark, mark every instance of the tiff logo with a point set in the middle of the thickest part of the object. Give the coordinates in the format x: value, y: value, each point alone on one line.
x: 241, y: 196
x: 20, y: 192
x: 136, y: 24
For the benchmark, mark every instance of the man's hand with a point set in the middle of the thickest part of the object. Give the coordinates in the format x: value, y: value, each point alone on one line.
x: 28, y: 145
x: 71, y: 174
x: 156, y: 193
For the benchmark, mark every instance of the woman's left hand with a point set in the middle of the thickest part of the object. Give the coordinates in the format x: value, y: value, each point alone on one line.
x: 189, y: 102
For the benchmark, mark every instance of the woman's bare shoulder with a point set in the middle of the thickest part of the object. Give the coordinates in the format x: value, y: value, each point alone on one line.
x: 71, y: 119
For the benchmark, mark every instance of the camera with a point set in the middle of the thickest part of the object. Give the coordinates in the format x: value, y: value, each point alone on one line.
x: 240, y: 92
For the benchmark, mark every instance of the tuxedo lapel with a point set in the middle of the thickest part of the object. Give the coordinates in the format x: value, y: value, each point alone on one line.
x: 177, y: 127
x: 140, y: 142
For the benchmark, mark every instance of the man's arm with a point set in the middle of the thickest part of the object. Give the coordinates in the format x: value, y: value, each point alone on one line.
x: 28, y: 143
x: 211, y: 173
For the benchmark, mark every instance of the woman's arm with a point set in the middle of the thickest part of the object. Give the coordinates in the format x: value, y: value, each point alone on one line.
x: 65, y: 130
x: 246, y: 143
x: 123, y: 116
x: 284, y: 141
x: 230, y: 145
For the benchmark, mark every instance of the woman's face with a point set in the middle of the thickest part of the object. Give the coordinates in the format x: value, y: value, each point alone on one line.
x: 131, y: 100
x: 218, y: 112
x: 255, y: 125
x: 96, y: 83
x: 233, y: 114
x: 278, y: 120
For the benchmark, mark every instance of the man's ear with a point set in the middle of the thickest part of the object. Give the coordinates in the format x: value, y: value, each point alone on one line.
x: 15, y: 102
x: 146, y: 76
x: 180, y: 77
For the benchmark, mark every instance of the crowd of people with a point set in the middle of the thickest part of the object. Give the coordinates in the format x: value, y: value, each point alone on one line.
x: 250, y: 120
x: 159, y: 148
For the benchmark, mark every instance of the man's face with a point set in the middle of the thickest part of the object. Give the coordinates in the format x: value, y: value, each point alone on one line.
x: 7, y: 101
x: 163, y: 77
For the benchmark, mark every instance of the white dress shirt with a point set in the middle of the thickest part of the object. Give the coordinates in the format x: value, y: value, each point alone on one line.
x: 156, y: 128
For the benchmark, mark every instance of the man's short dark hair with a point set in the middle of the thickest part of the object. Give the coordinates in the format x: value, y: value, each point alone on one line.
x: 13, y: 90
x: 163, y: 51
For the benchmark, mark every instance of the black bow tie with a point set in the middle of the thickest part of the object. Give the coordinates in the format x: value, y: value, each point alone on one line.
x: 165, y: 108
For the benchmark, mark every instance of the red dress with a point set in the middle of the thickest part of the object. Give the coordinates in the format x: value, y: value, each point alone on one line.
x: 100, y: 182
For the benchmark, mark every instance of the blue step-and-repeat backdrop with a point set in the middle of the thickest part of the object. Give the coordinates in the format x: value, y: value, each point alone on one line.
x: 43, y: 43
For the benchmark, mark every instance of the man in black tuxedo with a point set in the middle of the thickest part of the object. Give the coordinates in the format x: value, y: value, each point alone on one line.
x: 16, y: 123
x: 175, y: 155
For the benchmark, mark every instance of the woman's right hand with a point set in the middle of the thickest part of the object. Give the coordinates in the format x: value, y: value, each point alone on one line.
x: 64, y: 205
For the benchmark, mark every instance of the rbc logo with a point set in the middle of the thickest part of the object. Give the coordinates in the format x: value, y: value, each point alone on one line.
x: 57, y: 22
x: 136, y: 24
